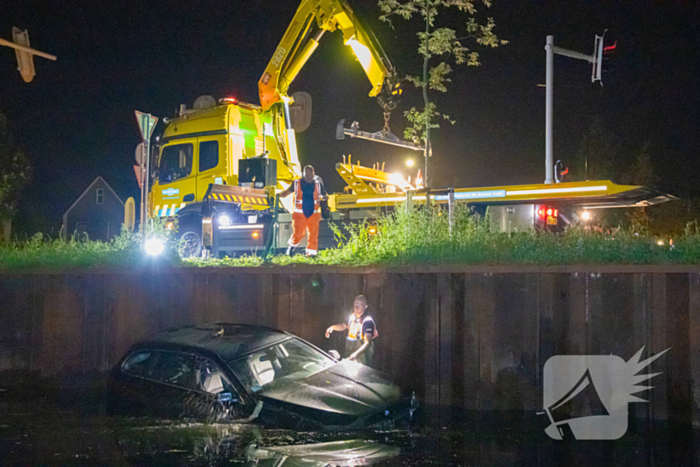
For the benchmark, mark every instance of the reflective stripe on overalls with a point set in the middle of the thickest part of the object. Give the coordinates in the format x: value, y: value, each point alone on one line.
x: 299, y: 197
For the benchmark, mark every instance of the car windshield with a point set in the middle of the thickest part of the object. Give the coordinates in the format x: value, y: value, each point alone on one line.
x: 287, y: 361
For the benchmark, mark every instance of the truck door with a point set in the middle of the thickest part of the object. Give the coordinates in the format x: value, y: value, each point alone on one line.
x: 176, y: 181
x: 211, y: 163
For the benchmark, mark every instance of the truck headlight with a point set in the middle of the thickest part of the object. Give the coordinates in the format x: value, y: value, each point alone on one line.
x: 154, y: 246
x: 224, y: 220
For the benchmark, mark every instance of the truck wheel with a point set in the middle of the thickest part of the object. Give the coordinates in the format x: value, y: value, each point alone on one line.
x: 190, y: 244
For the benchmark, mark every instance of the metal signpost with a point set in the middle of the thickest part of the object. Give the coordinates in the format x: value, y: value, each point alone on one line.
x: 147, y: 123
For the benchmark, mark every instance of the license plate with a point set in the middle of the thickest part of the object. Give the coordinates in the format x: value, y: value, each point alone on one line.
x: 551, y: 221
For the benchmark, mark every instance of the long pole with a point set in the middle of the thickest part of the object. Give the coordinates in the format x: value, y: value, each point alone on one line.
x: 143, y: 198
x: 147, y: 163
x: 549, y: 110
x: 426, y: 181
x: 28, y: 50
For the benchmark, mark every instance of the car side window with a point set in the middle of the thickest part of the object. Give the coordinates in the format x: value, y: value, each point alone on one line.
x: 177, y: 369
x: 138, y: 363
x: 210, y: 378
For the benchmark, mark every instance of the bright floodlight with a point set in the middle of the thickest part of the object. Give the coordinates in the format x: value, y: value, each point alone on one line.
x: 409, y: 162
x: 586, y: 216
x: 395, y: 179
x: 154, y: 246
x: 224, y: 220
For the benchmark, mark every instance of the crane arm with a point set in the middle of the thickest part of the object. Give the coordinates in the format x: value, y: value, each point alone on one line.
x: 312, y: 19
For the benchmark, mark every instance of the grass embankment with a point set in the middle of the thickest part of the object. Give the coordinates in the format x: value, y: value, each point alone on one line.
x: 419, y: 237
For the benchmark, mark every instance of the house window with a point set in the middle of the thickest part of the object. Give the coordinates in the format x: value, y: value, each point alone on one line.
x: 100, y: 196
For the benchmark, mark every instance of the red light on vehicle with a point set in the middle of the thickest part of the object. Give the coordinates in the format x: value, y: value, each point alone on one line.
x: 255, y: 234
x: 228, y: 100
x: 540, y: 212
x: 556, y: 212
x: 549, y: 211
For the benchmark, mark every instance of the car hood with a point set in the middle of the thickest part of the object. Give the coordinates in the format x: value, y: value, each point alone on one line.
x: 347, y: 388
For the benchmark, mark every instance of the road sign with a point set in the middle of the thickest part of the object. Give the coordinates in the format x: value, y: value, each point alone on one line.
x: 140, y: 154
x: 147, y: 123
x: 138, y: 171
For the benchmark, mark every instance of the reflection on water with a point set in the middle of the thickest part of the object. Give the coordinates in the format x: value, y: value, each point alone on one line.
x: 48, y: 430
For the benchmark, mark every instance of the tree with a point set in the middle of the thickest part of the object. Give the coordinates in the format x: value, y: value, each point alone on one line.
x: 641, y: 171
x: 15, y: 172
x: 597, y: 153
x: 444, y: 44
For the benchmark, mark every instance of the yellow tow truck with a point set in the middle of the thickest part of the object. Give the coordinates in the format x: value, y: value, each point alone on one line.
x: 219, y: 164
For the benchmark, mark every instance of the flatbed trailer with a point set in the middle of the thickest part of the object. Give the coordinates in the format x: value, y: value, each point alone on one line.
x: 374, y: 192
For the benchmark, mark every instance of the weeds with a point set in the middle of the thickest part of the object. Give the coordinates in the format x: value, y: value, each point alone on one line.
x: 124, y: 250
x: 405, y: 237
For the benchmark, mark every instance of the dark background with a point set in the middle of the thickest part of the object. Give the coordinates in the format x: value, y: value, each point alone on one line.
x: 76, y: 118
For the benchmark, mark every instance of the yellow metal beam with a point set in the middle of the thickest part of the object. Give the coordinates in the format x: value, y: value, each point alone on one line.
x: 359, y: 179
x: 500, y: 194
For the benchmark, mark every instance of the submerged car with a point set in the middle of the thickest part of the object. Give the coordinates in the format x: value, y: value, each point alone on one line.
x: 241, y: 372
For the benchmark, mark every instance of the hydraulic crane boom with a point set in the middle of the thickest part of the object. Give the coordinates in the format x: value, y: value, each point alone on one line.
x: 312, y: 20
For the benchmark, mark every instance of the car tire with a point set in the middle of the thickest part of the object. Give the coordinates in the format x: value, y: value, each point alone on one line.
x: 190, y: 244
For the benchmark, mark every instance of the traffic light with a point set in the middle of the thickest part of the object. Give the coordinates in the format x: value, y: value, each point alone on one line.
x: 25, y: 54
x: 25, y: 60
x: 601, y: 52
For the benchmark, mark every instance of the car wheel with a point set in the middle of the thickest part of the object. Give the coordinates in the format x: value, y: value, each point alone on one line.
x: 190, y: 244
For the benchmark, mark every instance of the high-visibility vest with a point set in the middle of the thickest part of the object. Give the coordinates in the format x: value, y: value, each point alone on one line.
x: 299, y: 196
x: 355, y: 327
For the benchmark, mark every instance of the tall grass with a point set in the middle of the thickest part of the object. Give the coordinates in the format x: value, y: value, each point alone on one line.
x: 404, y: 237
x: 79, y: 252
x: 423, y: 237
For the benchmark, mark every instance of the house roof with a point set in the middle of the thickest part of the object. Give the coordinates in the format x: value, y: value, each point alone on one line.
x: 86, y: 192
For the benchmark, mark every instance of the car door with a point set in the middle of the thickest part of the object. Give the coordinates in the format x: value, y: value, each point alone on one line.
x: 128, y: 394
x: 211, y: 162
x: 171, y: 383
x: 219, y: 396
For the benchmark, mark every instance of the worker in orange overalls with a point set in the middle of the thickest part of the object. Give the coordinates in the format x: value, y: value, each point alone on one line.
x: 308, y: 193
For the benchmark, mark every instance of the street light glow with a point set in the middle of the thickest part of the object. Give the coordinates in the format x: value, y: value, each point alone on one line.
x: 409, y: 162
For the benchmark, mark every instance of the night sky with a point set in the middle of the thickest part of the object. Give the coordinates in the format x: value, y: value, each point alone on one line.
x: 76, y: 118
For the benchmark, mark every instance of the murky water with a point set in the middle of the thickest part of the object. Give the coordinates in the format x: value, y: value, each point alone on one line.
x: 72, y: 429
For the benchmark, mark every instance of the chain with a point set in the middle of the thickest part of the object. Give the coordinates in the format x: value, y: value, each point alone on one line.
x: 387, y: 128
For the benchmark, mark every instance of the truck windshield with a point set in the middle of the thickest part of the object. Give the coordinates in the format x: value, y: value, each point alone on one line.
x: 175, y: 162
x: 287, y: 361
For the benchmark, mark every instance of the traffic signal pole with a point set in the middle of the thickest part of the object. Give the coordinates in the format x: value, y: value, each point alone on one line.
x: 549, y: 111
x: 551, y: 49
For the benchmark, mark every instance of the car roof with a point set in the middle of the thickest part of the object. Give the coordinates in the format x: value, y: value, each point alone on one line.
x: 228, y: 340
